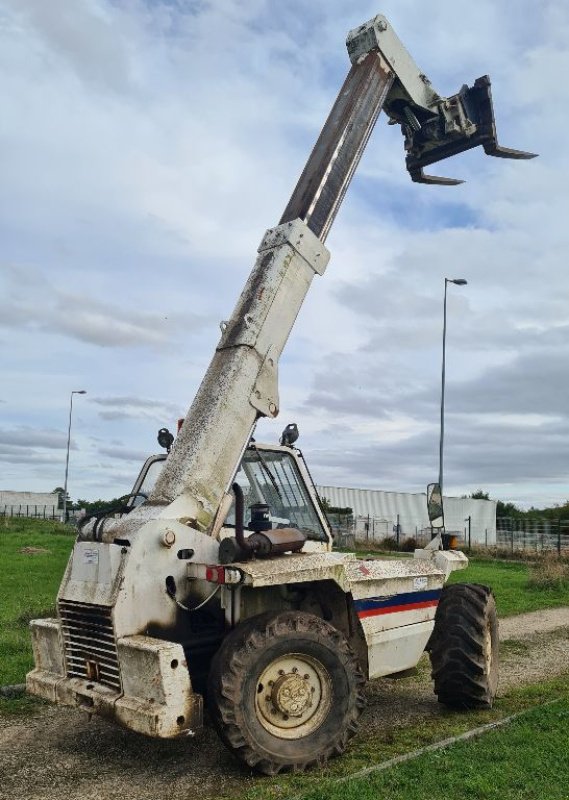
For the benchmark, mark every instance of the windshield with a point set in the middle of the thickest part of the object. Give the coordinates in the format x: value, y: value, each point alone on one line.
x: 149, y: 473
x: 272, y: 477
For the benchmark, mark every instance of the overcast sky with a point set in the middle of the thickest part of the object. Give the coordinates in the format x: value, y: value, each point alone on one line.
x: 146, y: 146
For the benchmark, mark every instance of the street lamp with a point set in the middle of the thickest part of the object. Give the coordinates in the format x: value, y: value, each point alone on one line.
x: 64, y: 512
x: 458, y: 282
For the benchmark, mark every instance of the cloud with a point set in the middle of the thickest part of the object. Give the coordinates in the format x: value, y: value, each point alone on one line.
x: 123, y: 454
x: 134, y: 402
x: 81, y: 37
x: 137, y: 408
x: 146, y: 147
x: 33, y: 437
x: 41, y: 306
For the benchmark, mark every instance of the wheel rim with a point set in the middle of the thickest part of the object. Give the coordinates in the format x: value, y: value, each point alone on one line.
x: 293, y: 696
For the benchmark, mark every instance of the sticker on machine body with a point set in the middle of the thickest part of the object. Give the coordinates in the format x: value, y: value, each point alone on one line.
x: 407, y: 601
x: 90, y: 556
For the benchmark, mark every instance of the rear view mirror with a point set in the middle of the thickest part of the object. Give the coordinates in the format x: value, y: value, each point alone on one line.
x: 435, y: 505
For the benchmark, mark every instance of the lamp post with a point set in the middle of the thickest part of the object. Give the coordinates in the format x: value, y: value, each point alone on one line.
x: 458, y: 282
x: 64, y: 511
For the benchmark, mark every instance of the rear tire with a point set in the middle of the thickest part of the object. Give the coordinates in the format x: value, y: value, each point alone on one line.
x: 285, y: 692
x: 464, y: 647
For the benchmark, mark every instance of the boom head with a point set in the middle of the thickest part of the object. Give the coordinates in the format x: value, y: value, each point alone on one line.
x: 434, y: 127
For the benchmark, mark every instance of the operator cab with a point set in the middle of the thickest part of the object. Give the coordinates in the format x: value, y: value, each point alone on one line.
x: 273, y: 475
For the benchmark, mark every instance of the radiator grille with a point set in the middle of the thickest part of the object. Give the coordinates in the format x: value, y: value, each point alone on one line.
x: 90, y: 645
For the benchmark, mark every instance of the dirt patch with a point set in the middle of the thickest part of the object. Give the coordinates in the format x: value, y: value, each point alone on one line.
x: 59, y: 754
x: 32, y: 551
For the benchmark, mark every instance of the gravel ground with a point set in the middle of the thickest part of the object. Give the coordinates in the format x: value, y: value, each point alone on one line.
x: 534, y: 622
x: 59, y: 754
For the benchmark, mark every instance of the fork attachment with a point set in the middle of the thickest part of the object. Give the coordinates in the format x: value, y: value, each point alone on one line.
x: 463, y: 121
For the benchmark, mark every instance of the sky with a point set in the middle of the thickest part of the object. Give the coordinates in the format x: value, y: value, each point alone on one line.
x: 145, y: 147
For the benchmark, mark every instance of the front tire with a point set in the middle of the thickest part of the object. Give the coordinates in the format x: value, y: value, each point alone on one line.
x: 464, y: 647
x: 285, y: 691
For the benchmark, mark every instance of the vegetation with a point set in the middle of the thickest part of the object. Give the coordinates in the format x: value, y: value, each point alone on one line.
x: 512, y: 586
x: 33, y: 554
x: 520, y: 761
x: 459, y: 771
x: 406, y: 544
x: 527, y: 555
x: 505, y: 509
x: 549, y: 574
x: 330, y: 509
x: 90, y: 506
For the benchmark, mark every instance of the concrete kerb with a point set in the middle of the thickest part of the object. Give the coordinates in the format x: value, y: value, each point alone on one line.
x: 430, y: 748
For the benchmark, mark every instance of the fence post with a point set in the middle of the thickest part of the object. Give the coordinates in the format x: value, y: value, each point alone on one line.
x: 486, y: 537
x: 469, y: 533
x: 558, y: 537
x: 512, y: 541
x: 397, y: 529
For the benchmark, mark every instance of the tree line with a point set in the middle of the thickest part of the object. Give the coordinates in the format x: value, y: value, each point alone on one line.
x: 511, y: 510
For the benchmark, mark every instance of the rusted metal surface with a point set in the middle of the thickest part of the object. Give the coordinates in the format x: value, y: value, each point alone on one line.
x: 333, y: 161
x: 156, y: 698
x: 276, y: 542
x: 241, y: 380
x: 350, y: 573
x: 296, y: 568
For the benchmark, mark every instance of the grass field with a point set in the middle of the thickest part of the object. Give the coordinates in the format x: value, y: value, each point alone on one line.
x: 464, y: 771
x: 509, y: 581
x: 522, y: 761
x: 33, y: 554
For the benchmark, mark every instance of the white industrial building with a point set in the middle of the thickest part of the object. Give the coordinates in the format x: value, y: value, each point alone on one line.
x: 377, y: 514
x: 28, y: 504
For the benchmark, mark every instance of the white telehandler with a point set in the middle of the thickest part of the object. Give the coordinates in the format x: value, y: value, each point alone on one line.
x: 222, y: 582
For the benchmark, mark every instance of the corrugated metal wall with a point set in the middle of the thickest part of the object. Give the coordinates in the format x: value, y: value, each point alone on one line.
x: 9, y: 498
x: 412, y: 511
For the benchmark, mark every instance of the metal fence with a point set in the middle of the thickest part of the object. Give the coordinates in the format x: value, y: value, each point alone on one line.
x: 537, y: 535
x: 380, y: 532
x: 32, y: 511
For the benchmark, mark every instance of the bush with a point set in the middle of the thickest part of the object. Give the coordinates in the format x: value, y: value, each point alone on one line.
x: 409, y: 545
x: 549, y: 573
x: 389, y: 543
x: 526, y: 555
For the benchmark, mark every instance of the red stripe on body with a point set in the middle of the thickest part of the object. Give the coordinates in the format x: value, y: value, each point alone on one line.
x: 374, y: 612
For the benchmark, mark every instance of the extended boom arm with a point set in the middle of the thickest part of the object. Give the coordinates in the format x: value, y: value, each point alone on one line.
x: 241, y: 383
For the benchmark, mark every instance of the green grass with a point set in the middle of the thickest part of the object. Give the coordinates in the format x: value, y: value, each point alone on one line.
x: 28, y: 587
x: 509, y: 581
x: 522, y: 761
x: 456, y: 777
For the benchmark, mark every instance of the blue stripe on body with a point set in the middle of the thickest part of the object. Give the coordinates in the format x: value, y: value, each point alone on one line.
x: 370, y: 603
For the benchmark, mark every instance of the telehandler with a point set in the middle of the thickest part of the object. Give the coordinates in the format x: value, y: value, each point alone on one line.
x: 222, y: 582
